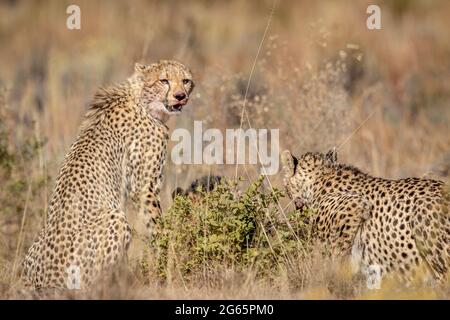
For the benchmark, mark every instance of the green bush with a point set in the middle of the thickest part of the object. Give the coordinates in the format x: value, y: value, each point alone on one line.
x: 226, y: 228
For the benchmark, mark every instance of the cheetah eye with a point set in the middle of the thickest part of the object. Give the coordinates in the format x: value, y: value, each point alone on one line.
x: 164, y: 81
x: 186, y: 81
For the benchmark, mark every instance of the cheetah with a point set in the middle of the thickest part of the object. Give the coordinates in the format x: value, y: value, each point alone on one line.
x: 390, y: 225
x: 116, y: 159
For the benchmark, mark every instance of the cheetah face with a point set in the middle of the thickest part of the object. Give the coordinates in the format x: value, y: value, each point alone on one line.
x: 300, y: 174
x: 168, y: 82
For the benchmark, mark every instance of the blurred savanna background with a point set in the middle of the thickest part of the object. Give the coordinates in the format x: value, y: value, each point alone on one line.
x: 311, y: 69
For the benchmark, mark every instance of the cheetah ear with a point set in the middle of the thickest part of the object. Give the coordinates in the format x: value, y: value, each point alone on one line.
x: 287, y: 163
x: 140, y: 68
x: 331, y: 155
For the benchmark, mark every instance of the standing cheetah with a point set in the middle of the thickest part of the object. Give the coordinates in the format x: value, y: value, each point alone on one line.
x: 117, y: 157
x: 394, y: 225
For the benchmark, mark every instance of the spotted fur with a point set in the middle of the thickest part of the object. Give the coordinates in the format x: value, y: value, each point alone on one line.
x: 394, y: 224
x: 117, y: 158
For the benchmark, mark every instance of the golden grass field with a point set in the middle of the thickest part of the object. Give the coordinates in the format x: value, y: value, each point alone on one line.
x: 381, y: 97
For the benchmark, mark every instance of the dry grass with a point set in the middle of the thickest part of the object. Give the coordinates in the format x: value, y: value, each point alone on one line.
x: 381, y: 97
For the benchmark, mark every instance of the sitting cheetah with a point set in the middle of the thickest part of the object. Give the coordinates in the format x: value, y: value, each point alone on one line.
x: 117, y: 157
x: 394, y: 225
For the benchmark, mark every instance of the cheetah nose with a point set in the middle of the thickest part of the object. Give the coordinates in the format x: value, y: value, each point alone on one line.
x: 180, y: 96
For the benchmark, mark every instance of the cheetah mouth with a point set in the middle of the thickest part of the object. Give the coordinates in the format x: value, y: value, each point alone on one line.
x: 176, y: 108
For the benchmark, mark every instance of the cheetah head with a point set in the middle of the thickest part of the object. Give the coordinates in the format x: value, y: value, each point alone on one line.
x: 164, y: 87
x: 301, y: 174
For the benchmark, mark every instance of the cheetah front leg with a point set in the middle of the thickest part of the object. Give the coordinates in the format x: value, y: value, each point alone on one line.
x: 149, y: 214
x: 147, y: 175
